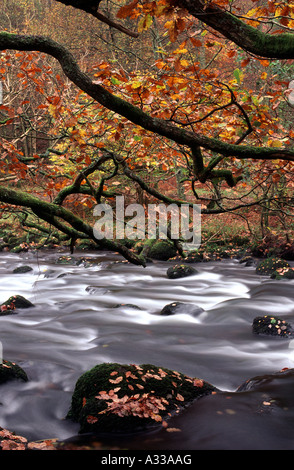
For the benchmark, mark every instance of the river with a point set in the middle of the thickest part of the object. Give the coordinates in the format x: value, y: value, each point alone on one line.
x: 74, y: 326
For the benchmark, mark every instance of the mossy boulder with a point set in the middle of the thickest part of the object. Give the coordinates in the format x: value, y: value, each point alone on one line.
x: 269, y: 265
x: 180, y: 270
x: 272, y: 326
x: 11, y: 371
x: 283, y: 273
x: 181, y: 307
x: 14, y: 302
x: 162, y: 250
x: 117, y: 398
x: 22, y: 269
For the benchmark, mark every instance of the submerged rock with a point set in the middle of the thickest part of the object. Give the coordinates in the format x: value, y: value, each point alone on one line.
x: 115, y: 398
x: 181, y: 307
x: 180, y: 270
x: 271, y: 326
x: 135, y: 307
x: 11, y: 371
x: 22, y: 269
x: 269, y: 265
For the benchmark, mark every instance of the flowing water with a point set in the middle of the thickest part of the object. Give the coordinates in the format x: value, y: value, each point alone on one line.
x: 74, y: 326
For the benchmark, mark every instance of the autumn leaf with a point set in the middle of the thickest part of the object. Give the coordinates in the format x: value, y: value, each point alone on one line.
x: 116, y: 381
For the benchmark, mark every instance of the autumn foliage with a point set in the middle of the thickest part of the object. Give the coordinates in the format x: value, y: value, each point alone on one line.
x: 180, y: 114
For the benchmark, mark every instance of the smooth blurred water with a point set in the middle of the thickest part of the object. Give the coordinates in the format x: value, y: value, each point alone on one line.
x: 74, y: 326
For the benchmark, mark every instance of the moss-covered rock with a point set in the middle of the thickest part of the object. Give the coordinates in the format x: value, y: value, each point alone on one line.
x: 269, y: 265
x: 283, y: 273
x: 180, y: 270
x: 272, y: 326
x: 11, y: 371
x: 14, y: 302
x: 115, y: 398
x: 162, y: 250
x: 22, y: 269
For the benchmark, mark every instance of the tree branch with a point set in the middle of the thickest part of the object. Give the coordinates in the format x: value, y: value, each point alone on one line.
x: 131, y: 112
x: 250, y: 39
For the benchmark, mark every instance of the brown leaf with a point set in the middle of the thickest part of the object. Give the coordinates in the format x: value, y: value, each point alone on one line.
x: 117, y: 380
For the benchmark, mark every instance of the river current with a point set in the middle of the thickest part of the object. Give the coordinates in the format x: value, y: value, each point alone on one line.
x: 75, y: 326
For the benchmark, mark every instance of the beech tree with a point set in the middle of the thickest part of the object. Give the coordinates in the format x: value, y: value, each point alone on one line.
x: 188, y: 95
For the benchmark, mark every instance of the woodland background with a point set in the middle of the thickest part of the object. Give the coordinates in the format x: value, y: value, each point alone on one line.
x: 171, y: 77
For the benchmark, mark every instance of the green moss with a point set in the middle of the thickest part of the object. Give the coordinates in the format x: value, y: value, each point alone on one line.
x: 180, y: 270
x: 162, y: 250
x: 11, y: 371
x: 114, y: 397
x: 269, y: 265
x: 283, y: 273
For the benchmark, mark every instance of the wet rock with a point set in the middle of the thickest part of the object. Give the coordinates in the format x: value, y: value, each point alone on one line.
x: 135, y: 307
x: 162, y: 250
x: 283, y: 273
x: 269, y: 265
x: 247, y: 261
x: 117, y: 398
x: 14, y: 302
x: 181, y: 307
x: 273, y: 382
x: 22, y: 269
x: 66, y: 260
x: 11, y: 371
x: 180, y: 270
x: 272, y: 326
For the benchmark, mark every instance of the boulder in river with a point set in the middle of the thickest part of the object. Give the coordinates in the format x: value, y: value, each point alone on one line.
x: 269, y: 265
x: 181, y: 307
x: 22, y: 269
x: 180, y: 270
x: 15, y: 301
x: 11, y: 371
x: 116, y: 398
x: 272, y: 326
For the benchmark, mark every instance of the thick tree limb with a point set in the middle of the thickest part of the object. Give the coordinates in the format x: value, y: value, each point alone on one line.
x: 132, y: 113
x: 52, y: 213
x: 250, y: 39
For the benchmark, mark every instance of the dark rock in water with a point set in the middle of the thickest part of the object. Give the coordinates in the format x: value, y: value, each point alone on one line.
x: 180, y: 270
x: 283, y: 273
x: 283, y: 378
x: 247, y: 261
x: 135, y: 307
x: 119, y: 398
x: 22, y: 269
x: 66, y: 260
x: 15, y: 301
x: 271, y: 326
x: 11, y: 371
x: 181, y: 307
x: 96, y: 290
x: 269, y: 265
